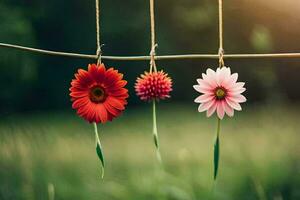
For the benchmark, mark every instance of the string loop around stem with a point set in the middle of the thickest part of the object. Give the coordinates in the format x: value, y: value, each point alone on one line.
x: 99, y: 55
x: 152, y: 59
x: 221, y: 57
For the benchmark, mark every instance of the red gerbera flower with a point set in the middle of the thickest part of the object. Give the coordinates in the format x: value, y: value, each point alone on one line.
x: 98, y: 94
x: 153, y: 86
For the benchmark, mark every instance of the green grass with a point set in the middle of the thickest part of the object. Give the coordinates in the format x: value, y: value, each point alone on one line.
x: 260, y: 156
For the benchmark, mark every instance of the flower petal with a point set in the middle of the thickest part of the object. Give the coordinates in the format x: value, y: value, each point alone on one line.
x: 236, y: 92
x: 79, y: 94
x: 101, y: 112
x: 239, y: 98
x: 116, y: 103
x: 212, y: 109
x: 237, y: 85
x: 204, y: 98
x: 97, y: 72
x: 210, y: 78
x: 222, y: 74
x: 202, y: 89
x: 220, y: 110
x: 231, y: 81
x: 204, y: 83
x: 228, y: 109
x: 233, y: 104
x: 80, y: 102
x: 110, y: 109
x: 205, y: 106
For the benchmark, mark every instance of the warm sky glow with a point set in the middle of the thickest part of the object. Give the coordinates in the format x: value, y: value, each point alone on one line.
x: 290, y: 7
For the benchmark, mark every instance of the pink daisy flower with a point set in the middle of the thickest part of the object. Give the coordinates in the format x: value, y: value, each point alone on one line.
x: 221, y: 92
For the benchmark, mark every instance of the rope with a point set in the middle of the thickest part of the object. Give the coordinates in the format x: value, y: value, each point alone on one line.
x: 153, y: 44
x: 99, y: 51
x: 152, y: 56
x: 221, y: 50
x: 142, y: 58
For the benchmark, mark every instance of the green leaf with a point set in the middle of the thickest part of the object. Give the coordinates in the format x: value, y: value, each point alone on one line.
x: 101, y: 157
x: 216, y: 157
x: 155, y: 140
x: 99, y: 148
x: 100, y: 154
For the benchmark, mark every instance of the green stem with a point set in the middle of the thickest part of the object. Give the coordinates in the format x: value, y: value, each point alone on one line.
x: 217, y: 150
x: 259, y: 189
x: 218, y: 127
x: 51, y: 191
x: 99, y: 149
x: 155, y: 135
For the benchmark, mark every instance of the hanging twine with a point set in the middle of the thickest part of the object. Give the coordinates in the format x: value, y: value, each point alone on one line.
x: 153, y: 44
x: 99, y: 51
x: 153, y: 68
x: 221, y: 64
x: 221, y: 50
x: 99, y: 149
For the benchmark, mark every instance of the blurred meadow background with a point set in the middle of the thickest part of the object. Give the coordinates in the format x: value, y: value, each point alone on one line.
x: 47, y: 150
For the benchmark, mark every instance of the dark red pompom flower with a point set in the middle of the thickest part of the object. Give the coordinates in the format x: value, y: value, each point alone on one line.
x: 153, y: 86
x: 98, y: 94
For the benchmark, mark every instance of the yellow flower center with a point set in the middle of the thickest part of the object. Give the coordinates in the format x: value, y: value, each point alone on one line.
x: 220, y: 93
x: 97, y: 94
